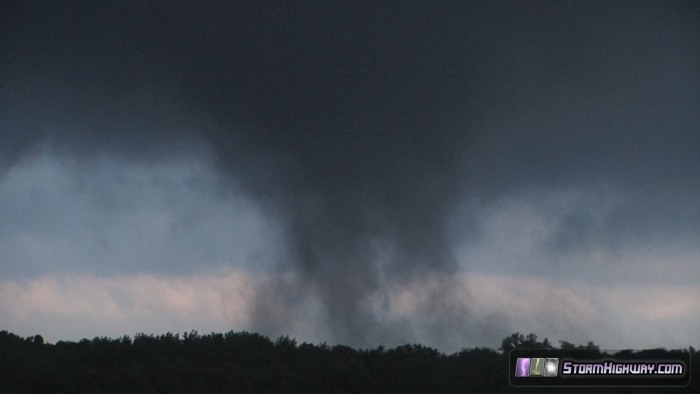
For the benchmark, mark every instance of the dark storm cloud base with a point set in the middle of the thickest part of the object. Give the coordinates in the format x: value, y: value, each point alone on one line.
x: 361, y: 127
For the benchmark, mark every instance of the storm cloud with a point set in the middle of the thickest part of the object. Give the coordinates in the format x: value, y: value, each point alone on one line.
x: 384, y: 143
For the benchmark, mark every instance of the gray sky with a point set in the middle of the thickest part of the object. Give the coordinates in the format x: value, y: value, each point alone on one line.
x: 352, y: 172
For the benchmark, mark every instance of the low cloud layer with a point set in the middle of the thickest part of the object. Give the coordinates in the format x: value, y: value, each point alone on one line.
x: 572, y: 234
x: 109, y: 216
x: 79, y: 306
x: 574, y: 311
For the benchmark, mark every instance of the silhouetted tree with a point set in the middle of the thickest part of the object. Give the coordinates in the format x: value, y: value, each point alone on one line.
x: 251, y: 363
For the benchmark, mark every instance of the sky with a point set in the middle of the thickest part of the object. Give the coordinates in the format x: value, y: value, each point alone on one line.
x: 361, y: 173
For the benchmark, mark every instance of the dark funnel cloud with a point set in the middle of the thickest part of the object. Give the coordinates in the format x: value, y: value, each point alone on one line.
x: 360, y: 126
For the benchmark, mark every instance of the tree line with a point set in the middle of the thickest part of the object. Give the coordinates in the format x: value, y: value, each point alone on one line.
x: 243, y: 362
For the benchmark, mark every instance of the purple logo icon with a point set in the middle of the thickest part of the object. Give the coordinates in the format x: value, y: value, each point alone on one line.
x: 522, y: 367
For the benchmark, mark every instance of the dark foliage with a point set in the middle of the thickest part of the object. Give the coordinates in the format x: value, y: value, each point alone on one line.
x: 249, y: 362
